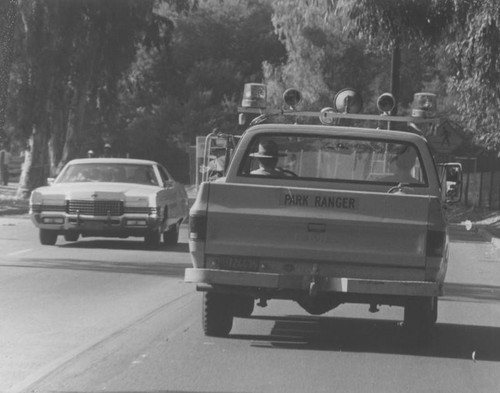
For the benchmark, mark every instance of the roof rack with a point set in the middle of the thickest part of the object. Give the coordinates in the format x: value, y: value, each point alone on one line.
x: 346, y: 105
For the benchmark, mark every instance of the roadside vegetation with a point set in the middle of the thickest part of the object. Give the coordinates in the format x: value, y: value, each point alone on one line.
x: 149, y: 76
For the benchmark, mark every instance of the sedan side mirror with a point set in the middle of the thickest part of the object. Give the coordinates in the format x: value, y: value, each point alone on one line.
x: 50, y: 181
x: 452, y: 182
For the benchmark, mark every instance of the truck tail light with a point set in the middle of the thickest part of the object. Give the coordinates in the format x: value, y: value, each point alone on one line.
x: 435, y: 243
x: 197, y: 227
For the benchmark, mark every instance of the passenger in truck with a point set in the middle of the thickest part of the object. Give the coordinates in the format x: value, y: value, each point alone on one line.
x: 404, y: 161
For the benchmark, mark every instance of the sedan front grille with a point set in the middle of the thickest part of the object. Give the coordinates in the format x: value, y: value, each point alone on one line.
x: 95, y: 208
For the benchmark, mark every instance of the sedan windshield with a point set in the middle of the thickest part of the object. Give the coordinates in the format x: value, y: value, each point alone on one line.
x: 113, y: 172
x: 340, y: 159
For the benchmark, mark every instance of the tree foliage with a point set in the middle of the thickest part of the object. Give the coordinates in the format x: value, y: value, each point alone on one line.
x: 151, y: 75
x: 8, y: 16
x: 470, y: 31
x: 71, y: 57
x: 333, y: 45
x: 475, y: 79
x: 194, y: 83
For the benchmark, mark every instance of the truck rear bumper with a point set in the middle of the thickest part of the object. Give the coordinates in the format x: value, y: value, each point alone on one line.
x: 325, y: 284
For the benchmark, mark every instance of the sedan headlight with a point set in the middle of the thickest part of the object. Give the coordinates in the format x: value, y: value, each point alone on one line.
x: 40, y: 207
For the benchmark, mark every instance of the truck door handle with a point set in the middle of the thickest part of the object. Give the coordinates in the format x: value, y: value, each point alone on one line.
x: 318, y: 228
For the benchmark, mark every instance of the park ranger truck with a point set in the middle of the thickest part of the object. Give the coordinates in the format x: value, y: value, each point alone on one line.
x: 324, y: 214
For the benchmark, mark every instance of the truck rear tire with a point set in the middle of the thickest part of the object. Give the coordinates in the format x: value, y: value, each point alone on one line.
x: 48, y: 237
x: 171, y: 237
x: 420, y: 317
x: 217, y: 315
x: 243, y: 306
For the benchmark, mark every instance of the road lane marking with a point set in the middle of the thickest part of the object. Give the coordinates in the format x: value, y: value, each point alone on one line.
x: 10, y: 254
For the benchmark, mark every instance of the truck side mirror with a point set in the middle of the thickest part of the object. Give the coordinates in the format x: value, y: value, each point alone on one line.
x: 50, y: 181
x: 452, y: 182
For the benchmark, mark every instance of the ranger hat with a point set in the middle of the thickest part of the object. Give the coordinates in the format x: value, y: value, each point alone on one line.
x: 267, y: 149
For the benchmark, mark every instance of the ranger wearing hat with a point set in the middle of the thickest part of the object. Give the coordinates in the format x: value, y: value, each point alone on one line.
x: 268, y: 156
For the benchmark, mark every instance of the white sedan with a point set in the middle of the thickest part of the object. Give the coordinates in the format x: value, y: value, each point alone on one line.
x: 110, y: 197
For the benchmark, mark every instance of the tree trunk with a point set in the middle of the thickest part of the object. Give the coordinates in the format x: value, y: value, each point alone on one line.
x: 74, y: 126
x: 8, y: 16
x: 76, y: 115
x: 35, y: 168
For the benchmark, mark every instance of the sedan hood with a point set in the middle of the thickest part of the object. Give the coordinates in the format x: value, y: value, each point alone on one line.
x: 96, y: 190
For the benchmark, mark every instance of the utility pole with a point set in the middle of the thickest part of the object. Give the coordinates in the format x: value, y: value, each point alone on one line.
x: 395, y: 73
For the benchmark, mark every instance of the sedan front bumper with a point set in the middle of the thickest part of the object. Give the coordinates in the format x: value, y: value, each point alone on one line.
x: 125, y: 225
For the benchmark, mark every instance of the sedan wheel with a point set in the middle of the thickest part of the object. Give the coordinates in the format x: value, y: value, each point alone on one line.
x: 48, y: 237
x: 71, y: 236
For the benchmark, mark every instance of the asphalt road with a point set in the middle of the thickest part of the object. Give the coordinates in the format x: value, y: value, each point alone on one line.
x: 108, y: 315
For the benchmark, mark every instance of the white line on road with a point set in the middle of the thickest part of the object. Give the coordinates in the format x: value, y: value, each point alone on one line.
x: 19, y: 252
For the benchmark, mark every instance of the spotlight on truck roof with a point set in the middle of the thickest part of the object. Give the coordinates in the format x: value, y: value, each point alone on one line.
x: 292, y: 97
x: 348, y: 101
x: 424, y: 105
x: 327, y: 116
x: 386, y: 103
x: 254, y: 95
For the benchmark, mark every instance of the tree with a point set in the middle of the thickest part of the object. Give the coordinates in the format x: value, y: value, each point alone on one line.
x: 475, y: 80
x: 332, y: 45
x: 74, y: 55
x: 191, y: 84
x: 392, y: 25
x: 8, y: 18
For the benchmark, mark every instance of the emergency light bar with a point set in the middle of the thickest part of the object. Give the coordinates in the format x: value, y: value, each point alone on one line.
x: 254, y: 95
x: 347, y: 104
x: 424, y: 105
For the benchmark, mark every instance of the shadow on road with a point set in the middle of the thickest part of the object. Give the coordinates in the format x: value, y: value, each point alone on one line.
x: 379, y: 336
x: 104, y: 266
x: 471, y: 293
x: 123, y: 245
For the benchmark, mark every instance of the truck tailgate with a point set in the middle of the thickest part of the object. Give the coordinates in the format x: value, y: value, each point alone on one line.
x: 365, y: 228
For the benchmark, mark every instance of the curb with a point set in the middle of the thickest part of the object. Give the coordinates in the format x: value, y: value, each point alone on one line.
x: 477, y: 231
x: 14, y: 211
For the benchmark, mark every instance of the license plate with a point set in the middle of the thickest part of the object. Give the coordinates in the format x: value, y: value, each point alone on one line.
x: 238, y: 263
x: 93, y: 225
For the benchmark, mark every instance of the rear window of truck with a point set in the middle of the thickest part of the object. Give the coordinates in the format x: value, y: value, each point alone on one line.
x: 333, y: 158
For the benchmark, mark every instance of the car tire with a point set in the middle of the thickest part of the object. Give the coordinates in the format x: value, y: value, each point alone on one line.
x: 48, y: 237
x: 217, y: 318
x: 171, y: 237
x: 152, y: 239
x: 71, y: 236
x: 420, y: 316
